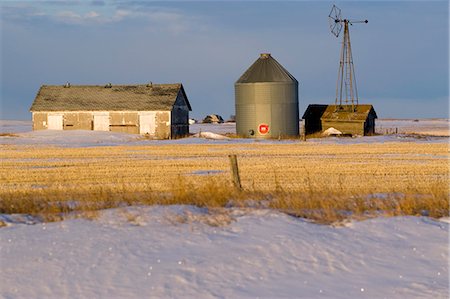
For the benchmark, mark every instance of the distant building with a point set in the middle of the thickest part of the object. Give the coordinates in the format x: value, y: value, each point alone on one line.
x: 213, y: 119
x: 160, y: 111
x: 359, y: 121
x: 232, y: 119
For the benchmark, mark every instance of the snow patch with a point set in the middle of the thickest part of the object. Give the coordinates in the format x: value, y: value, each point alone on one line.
x: 211, y: 135
x: 331, y: 131
x: 445, y: 219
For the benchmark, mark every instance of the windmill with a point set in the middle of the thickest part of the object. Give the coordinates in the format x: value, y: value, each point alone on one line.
x: 347, y: 115
x: 346, y: 90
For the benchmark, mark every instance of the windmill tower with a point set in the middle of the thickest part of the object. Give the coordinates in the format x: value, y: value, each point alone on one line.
x: 347, y: 115
x: 346, y: 90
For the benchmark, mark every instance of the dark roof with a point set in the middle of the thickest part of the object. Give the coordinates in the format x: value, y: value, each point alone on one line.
x: 344, y: 113
x: 140, y: 97
x: 314, y: 111
x: 266, y: 69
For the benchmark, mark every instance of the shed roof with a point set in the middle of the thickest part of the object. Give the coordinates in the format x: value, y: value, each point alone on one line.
x: 344, y: 113
x: 139, y: 97
x: 266, y: 69
x: 314, y: 111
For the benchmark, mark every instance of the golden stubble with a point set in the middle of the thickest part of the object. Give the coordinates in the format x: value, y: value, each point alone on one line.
x: 300, y: 178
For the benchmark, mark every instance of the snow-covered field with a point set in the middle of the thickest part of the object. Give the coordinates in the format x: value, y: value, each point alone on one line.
x: 432, y: 130
x: 188, y: 252
x: 185, y: 252
x: 432, y: 127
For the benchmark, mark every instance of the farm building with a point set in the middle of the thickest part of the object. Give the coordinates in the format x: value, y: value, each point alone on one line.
x: 160, y: 111
x: 357, y: 121
x: 312, y: 117
x: 266, y: 101
x: 213, y: 119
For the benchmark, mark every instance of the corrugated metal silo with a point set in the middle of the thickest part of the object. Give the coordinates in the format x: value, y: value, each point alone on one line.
x: 267, y: 101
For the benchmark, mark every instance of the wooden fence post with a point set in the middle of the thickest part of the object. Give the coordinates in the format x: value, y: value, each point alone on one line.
x: 302, y: 131
x: 235, y: 172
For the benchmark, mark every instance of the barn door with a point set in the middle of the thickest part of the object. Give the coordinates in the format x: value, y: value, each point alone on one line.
x: 55, y: 122
x: 147, y: 123
x: 101, y: 121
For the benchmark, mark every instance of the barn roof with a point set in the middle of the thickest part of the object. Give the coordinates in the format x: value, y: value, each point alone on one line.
x: 344, y: 113
x: 139, y: 97
x: 266, y: 69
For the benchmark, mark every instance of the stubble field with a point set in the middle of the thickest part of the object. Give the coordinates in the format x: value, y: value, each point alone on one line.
x: 325, y: 182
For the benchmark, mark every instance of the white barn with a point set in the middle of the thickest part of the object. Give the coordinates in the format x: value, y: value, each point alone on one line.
x: 160, y: 111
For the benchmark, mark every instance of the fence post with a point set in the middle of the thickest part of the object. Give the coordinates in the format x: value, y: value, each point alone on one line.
x: 235, y: 172
x: 302, y: 131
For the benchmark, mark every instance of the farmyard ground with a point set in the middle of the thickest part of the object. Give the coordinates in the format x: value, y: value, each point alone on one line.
x: 188, y: 252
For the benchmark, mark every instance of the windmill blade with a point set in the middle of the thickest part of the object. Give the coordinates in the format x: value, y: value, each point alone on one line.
x: 335, y: 13
x: 335, y: 26
x: 336, y: 29
x: 334, y: 19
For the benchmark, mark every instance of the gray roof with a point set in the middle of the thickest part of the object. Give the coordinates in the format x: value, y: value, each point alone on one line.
x: 140, y: 97
x: 266, y: 69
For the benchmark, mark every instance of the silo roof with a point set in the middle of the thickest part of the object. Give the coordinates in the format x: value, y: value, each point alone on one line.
x: 266, y: 69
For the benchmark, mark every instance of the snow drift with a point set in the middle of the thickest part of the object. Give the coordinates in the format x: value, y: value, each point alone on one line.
x: 176, y: 252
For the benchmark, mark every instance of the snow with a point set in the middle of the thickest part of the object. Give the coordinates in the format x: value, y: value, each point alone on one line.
x: 331, y: 131
x: 79, y: 138
x: 216, y: 128
x: 187, y: 252
x: 432, y: 127
x: 15, y: 126
x: 211, y: 134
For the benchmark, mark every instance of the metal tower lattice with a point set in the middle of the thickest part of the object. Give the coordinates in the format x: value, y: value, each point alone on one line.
x: 346, y: 90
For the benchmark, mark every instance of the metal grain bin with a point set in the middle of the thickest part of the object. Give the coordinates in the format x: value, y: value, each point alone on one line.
x: 267, y: 101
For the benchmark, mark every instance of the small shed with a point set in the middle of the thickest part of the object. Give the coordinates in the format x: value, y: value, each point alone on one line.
x: 350, y: 120
x: 160, y: 111
x: 312, y: 118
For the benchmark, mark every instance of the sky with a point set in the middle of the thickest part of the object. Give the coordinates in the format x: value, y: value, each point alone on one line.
x: 401, y: 56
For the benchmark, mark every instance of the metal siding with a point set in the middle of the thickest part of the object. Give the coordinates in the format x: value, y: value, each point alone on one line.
x: 273, y: 103
x: 263, y: 116
x: 245, y: 110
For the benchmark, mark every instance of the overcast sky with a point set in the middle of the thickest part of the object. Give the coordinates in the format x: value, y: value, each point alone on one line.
x: 401, y: 55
